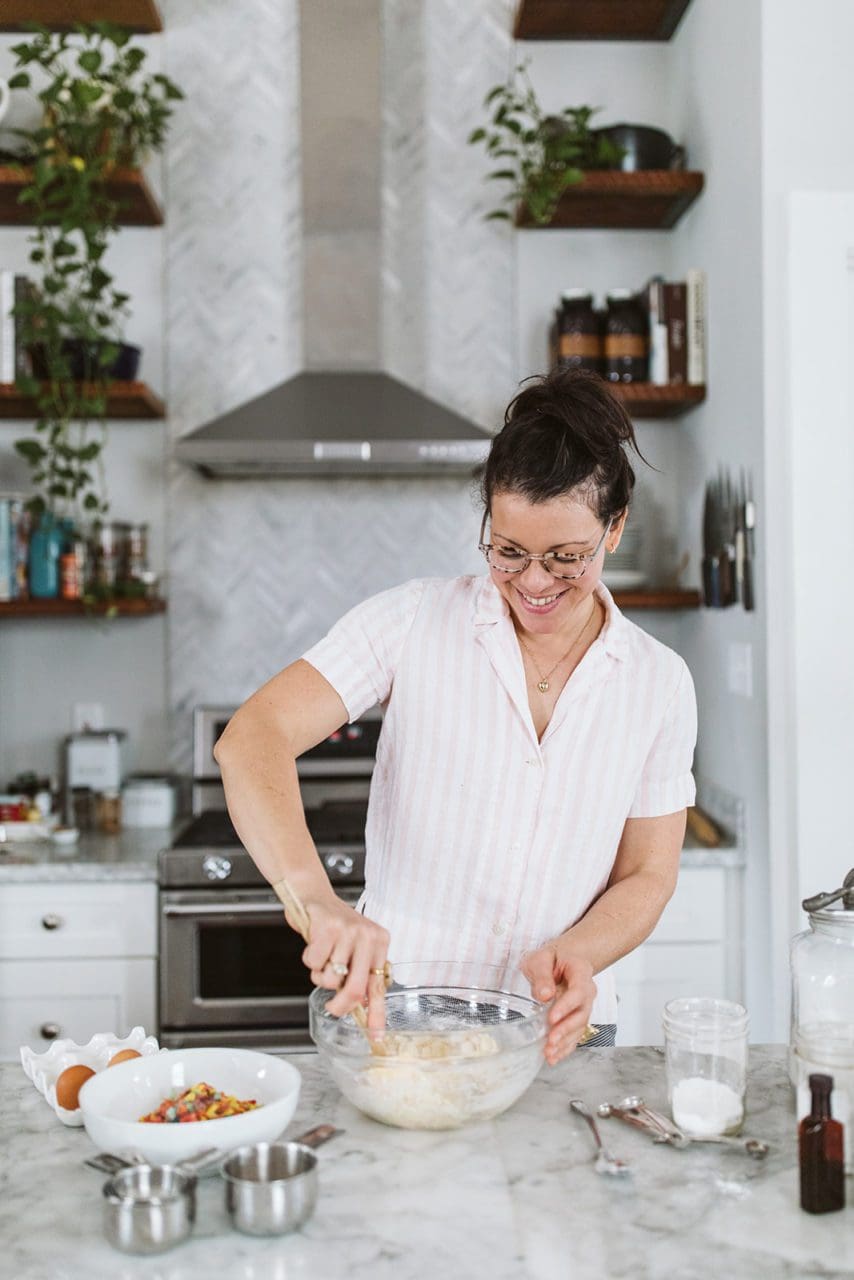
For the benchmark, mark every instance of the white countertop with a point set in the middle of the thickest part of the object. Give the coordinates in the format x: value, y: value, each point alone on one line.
x: 132, y: 855
x: 513, y: 1199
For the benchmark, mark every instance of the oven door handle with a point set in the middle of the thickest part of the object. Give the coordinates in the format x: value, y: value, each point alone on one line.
x: 221, y: 909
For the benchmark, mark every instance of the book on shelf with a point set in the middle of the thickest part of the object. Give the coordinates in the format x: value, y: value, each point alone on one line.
x: 658, y: 352
x: 14, y: 545
x: 695, y: 327
x: 14, y: 357
x: 675, y: 310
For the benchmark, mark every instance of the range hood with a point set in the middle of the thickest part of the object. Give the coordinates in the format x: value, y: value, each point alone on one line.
x: 336, y: 423
x: 341, y: 415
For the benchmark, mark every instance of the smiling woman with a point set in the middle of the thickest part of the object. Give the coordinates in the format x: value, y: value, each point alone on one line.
x: 534, y: 766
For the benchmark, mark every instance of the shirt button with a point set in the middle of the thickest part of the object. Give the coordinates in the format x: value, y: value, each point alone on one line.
x: 498, y: 928
x: 515, y: 848
x: 533, y: 761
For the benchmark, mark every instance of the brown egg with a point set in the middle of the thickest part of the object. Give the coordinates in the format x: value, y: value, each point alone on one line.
x: 124, y: 1056
x: 69, y: 1083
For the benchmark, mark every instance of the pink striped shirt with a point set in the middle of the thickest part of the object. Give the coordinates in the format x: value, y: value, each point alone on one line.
x: 482, y: 842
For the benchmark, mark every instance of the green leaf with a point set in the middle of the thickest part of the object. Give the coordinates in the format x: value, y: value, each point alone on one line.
x: 477, y: 135
x: 20, y: 80
x: 508, y: 175
x: 90, y: 60
x: 498, y: 214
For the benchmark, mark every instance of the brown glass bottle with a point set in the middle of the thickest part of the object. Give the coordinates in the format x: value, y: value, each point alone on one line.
x: 626, y: 338
x: 820, y: 1152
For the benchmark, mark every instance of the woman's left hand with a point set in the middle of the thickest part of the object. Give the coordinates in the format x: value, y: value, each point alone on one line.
x: 568, y: 981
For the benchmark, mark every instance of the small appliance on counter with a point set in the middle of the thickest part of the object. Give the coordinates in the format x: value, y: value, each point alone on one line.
x: 94, y: 764
x: 148, y: 800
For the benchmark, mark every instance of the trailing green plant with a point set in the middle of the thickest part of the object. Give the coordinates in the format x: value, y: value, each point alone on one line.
x: 539, y: 155
x: 100, y: 112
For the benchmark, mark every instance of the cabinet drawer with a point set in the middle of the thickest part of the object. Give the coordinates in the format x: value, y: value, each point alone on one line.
x: 47, y: 921
x: 697, y: 910
x: 45, y: 1000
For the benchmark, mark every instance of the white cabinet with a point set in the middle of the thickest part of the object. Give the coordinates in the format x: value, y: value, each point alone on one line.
x: 695, y: 950
x: 75, y: 959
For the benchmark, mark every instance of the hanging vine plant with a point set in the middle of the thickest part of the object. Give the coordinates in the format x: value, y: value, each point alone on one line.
x: 100, y: 112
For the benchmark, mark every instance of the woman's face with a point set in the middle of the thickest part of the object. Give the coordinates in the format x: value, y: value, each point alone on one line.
x: 541, y: 603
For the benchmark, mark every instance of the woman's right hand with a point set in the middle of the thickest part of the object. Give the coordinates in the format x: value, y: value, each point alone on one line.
x: 341, y: 937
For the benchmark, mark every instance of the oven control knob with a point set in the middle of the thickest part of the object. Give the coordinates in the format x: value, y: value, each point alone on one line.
x: 216, y: 868
x: 340, y: 862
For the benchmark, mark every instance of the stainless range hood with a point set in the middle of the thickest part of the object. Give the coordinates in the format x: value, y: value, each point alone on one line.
x: 347, y: 423
x: 342, y: 415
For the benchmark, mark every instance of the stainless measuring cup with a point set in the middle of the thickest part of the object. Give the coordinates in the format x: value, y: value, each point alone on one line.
x: 271, y: 1187
x: 148, y: 1208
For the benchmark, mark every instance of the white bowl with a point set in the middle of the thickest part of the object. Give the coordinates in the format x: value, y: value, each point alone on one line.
x: 113, y: 1101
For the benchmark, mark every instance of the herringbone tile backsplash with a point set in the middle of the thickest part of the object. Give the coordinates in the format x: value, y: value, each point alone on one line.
x: 259, y: 570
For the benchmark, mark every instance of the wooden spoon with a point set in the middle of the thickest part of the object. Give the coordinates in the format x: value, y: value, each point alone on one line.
x: 300, y: 919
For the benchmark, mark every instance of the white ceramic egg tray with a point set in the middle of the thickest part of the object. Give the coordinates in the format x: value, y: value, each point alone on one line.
x: 44, y: 1069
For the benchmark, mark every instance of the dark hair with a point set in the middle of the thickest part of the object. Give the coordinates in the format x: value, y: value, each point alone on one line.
x: 564, y: 431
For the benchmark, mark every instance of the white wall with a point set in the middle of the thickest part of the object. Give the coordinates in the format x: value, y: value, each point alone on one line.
x: 807, y: 107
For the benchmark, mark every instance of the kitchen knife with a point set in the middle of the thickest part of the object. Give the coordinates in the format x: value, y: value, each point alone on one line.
x: 747, y: 594
x: 711, y: 578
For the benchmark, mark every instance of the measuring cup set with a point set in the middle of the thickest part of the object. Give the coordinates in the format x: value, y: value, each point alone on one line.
x: 270, y: 1189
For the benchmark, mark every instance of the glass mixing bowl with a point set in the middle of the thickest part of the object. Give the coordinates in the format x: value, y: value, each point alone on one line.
x: 463, y: 1042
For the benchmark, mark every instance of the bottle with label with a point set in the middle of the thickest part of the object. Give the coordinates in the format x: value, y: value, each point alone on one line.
x: 579, y: 332
x: 820, y: 1152
x: 626, y: 338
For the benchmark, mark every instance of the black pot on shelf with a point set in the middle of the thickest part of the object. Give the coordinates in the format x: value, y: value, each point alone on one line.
x: 644, y: 147
x: 83, y: 361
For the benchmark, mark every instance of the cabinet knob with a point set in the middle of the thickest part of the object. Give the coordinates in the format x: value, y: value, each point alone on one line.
x: 52, y: 921
x: 50, y: 1030
x: 343, y: 863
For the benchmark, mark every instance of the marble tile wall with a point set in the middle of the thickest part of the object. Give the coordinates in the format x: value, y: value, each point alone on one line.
x: 258, y: 570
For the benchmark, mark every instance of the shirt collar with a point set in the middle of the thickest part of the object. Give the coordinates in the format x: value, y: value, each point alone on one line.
x: 490, y: 607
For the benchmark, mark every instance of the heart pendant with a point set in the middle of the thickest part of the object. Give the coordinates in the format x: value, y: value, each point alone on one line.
x: 543, y: 686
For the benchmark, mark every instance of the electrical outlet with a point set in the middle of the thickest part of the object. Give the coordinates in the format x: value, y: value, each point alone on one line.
x: 86, y: 715
x: 740, y: 668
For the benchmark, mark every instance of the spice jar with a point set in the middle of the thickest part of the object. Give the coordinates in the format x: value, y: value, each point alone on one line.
x: 579, y: 336
x: 705, y: 1045
x: 626, y: 338
x: 108, y: 806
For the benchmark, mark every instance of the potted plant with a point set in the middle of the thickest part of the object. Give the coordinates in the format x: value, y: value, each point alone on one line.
x: 539, y: 155
x: 100, y: 111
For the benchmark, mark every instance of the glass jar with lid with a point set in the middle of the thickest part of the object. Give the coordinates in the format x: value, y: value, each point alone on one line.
x: 626, y: 338
x: 822, y: 1031
x: 580, y: 342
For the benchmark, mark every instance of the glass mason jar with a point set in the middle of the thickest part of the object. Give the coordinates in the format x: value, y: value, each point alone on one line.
x: 580, y: 343
x: 626, y: 338
x: 822, y: 971
x: 705, y: 1046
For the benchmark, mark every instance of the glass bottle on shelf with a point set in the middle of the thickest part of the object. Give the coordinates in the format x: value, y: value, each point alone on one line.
x: 626, y: 338
x: 579, y: 337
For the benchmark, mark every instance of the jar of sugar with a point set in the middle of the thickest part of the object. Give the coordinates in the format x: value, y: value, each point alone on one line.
x: 705, y: 1045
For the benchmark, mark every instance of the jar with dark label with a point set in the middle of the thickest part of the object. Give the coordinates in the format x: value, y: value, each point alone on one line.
x: 579, y: 332
x: 626, y: 338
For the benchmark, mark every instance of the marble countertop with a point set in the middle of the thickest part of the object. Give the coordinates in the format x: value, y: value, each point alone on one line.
x: 513, y: 1199
x: 132, y: 855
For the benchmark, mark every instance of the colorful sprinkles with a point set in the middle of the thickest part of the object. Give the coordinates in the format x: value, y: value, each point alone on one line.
x: 199, y: 1102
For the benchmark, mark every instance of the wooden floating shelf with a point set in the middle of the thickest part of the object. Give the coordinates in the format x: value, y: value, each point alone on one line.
x: 139, y: 207
x: 598, y: 19
x: 128, y: 400
x: 140, y: 16
x: 658, y: 598
x: 648, y: 400
x: 609, y: 199
x: 77, y: 608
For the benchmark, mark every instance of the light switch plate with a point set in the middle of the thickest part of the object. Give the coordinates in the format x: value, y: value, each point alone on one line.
x: 740, y: 668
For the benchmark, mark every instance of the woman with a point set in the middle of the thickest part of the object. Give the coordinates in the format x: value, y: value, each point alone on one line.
x: 534, y: 767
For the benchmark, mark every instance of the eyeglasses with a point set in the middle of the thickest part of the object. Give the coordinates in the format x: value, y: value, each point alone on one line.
x: 507, y: 559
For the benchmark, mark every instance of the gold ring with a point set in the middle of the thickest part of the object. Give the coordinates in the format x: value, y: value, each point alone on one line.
x: 385, y: 972
x: 341, y: 969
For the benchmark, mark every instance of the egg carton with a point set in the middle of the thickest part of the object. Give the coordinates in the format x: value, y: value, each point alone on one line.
x: 44, y: 1069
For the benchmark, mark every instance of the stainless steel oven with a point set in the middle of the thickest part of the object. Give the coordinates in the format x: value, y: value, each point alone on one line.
x: 230, y: 968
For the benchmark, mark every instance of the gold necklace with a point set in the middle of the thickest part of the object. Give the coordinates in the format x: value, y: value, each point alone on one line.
x: 543, y: 682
